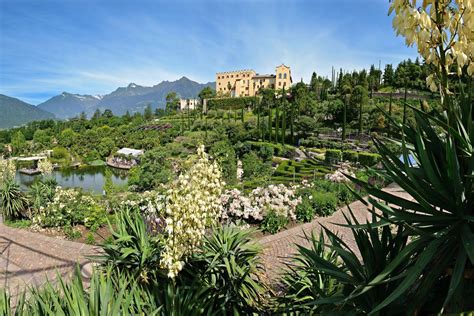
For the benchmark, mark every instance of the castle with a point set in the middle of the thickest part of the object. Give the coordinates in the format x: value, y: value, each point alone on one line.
x: 244, y: 83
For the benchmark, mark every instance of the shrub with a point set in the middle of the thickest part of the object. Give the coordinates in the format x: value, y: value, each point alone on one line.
x: 228, y: 268
x: 69, y: 207
x: 266, y: 152
x: 325, y: 203
x: 305, y: 210
x: 254, y: 167
x: 350, y: 155
x: 13, y: 202
x: 333, y: 156
x: 368, y: 159
x: 132, y: 250
x: 273, y: 223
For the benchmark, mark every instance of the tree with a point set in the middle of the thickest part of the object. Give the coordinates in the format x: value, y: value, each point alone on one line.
x: 155, y: 169
x: 97, y: 115
x: 172, y: 102
x: 388, y: 75
x: 359, y: 98
x: 18, y: 142
x: 67, y: 138
x: 41, y: 139
x: 206, y: 93
x: 107, y: 114
x: 224, y: 154
x: 148, y: 113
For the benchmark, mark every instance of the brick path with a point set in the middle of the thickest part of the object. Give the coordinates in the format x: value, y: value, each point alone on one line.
x: 28, y: 258
x: 279, y: 247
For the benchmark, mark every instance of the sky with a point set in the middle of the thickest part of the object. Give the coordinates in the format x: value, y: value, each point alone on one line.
x: 95, y: 46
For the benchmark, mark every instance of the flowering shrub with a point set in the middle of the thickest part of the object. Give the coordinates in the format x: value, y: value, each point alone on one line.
x: 70, y: 207
x: 7, y: 170
x: 279, y: 199
x: 191, y: 205
x: 236, y: 205
x: 45, y: 167
x: 339, y: 175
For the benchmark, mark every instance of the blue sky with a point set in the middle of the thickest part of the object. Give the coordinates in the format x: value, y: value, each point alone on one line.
x: 94, y: 46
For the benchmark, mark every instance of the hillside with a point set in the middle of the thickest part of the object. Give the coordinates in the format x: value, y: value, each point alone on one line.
x: 15, y: 112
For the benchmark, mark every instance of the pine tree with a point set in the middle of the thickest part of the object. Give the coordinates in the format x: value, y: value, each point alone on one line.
x: 388, y: 75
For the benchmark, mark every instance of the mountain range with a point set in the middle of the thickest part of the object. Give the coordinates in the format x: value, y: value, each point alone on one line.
x: 133, y: 98
x: 14, y: 112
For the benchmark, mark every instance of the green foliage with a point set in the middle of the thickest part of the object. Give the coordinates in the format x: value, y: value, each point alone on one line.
x: 368, y: 159
x: 305, y: 210
x: 71, y: 233
x: 224, y: 153
x: 350, y: 155
x: 333, y: 156
x: 41, y: 192
x: 438, y: 220
x: 324, y: 203
x: 273, y: 223
x: 18, y: 143
x: 228, y: 268
x: 105, y: 295
x: 14, y: 203
x: 231, y: 103
x: 90, y: 240
x: 132, y: 251
x: 18, y: 223
x: 303, y: 280
x: 254, y: 167
x: 154, y: 169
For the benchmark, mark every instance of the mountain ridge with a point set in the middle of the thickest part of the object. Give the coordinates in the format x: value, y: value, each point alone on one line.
x: 15, y: 112
x: 132, y: 98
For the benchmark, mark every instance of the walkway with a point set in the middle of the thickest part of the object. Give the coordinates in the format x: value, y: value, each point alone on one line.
x: 28, y: 258
x: 278, y: 248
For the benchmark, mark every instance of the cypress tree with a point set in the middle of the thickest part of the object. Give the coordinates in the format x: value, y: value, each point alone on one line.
x: 283, y: 125
x: 269, y: 124
x: 277, y: 117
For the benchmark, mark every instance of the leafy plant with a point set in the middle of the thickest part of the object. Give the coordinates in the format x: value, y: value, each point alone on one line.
x: 228, y: 269
x: 352, y: 272
x: 440, y: 219
x: 132, y: 250
x: 303, y: 281
x: 324, y: 203
x: 13, y: 202
x: 273, y: 223
x: 305, y: 210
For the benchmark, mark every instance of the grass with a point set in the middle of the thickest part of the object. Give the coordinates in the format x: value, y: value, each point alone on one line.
x: 18, y: 223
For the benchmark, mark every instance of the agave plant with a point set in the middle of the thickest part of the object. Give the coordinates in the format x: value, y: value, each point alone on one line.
x: 13, y: 202
x: 440, y: 218
x: 332, y: 281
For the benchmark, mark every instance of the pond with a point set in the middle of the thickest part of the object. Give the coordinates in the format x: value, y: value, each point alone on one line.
x: 90, y: 178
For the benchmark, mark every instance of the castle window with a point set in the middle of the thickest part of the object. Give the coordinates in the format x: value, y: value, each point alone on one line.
x: 279, y: 76
x: 279, y: 83
x: 284, y: 76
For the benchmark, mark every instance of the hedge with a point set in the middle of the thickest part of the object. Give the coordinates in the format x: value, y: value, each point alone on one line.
x: 333, y: 156
x: 350, y: 155
x: 231, y: 103
x: 325, y: 203
x: 368, y: 159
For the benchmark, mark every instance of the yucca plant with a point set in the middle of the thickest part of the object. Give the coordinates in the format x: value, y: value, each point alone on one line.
x: 132, y: 250
x: 105, y: 296
x: 227, y: 268
x: 13, y: 202
x: 440, y: 219
x: 302, y: 280
x: 344, y: 272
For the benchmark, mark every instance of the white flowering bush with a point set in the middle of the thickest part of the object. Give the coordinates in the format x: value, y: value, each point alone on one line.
x: 339, y: 176
x: 278, y: 199
x: 236, y: 205
x: 7, y: 170
x: 70, y: 207
x: 192, y: 204
x: 151, y: 205
x: 45, y: 167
